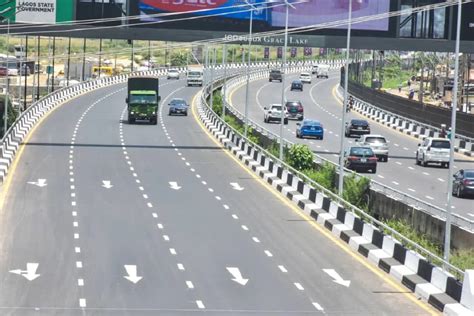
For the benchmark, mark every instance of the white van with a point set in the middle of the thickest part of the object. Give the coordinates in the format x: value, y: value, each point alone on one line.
x: 323, y: 71
x: 433, y: 150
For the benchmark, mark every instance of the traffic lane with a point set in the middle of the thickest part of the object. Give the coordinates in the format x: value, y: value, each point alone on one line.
x: 37, y: 225
x: 192, y: 224
x: 297, y: 251
x: 115, y: 224
x: 434, y: 192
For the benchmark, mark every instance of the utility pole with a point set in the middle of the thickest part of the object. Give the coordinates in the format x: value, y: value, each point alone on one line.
x: 68, y: 62
x: 83, y: 74
x: 26, y: 74
x: 54, y: 54
x: 38, y: 55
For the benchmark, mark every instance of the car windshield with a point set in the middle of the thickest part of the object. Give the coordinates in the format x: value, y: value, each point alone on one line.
x: 361, y: 151
x: 194, y: 73
x: 275, y: 72
x: 276, y: 107
x: 375, y: 140
x: 469, y: 174
x: 142, y: 98
x: 172, y: 71
x: 177, y: 102
x: 443, y: 144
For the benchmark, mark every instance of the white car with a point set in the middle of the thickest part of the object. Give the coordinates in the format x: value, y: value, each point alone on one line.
x: 13, y: 71
x: 274, y: 114
x: 377, y: 143
x: 173, y: 74
x: 305, y: 77
x: 433, y: 150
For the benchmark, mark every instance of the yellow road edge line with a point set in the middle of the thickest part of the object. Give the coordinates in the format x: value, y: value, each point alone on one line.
x: 311, y: 221
x: 9, y: 176
x: 389, y: 128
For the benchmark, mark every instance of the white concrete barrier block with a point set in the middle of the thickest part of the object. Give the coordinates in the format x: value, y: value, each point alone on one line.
x: 467, y: 295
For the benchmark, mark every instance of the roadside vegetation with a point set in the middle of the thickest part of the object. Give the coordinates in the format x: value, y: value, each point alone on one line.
x: 356, y: 188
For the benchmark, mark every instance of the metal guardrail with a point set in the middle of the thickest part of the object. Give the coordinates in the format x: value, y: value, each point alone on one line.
x: 431, y: 257
x: 406, y: 198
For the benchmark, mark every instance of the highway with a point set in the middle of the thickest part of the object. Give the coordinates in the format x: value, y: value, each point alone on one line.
x: 319, y: 101
x: 104, y: 218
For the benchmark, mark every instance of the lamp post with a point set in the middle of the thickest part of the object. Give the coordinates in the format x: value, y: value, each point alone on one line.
x: 252, y: 7
x: 224, y: 63
x: 447, y: 236
x: 343, y: 123
x: 283, y: 71
x: 7, y: 93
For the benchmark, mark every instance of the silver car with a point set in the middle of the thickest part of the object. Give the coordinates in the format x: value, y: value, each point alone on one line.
x: 377, y: 143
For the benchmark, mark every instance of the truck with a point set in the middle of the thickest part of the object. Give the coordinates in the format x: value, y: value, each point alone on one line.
x: 194, y: 75
x: 143, y: 99
x: 321, y: 71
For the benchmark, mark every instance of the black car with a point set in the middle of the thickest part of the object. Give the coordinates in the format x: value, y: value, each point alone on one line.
x: 357, y: 127
x: 178, y: 106
x: 296, y: 85
x: 360, y: 159
x: 295, y: 110
x: 463, y: 183
x: 275, y: 74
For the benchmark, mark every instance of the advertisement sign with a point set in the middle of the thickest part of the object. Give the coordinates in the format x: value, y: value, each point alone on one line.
x: 322, y: 51
x: 266, y: 52
x: 279, y: 52
x: 293, y: 52
x: 308, y: 51
x: 44, y: 11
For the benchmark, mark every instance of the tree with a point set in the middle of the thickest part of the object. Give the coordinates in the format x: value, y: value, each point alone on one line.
x: 178, y: 59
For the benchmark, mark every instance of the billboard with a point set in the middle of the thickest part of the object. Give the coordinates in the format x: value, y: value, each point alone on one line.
x: 44, y: 11
x: 233, y: 15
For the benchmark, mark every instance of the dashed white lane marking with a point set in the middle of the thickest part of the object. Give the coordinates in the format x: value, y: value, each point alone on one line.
x: 160, y: 226
x: 380, y: 176
x: 198, y: 176
x: 395, y: 182
x: 411, y: 190
x: 426, y: 173
x: 204, y: 182
x: 200, y: 304
x: 396, y: 145
x: 235, y: 216
x: 180, y: 266
x: 282, y: 269
x: 268, y: 253
x: 255, y: 239
x: 218, y: 198
x: 76, y: 236
x: 211, y: 189
x: 405, y: 148
x: 78, y: 264
x: 398, y: 163
x: 190, y: 285
x: 74, y: 213
x: 166, y: 237
x: 173, y: 251
x: 429, y: 197
x: 244, y: 227
x: 77, y: 249
x: 145, y: 196
x: 318, y: 307
x: 442, y: 180
x: 470, y: 214
x: 411, y: 168
x: 149, y: 204
x: 299, y: 286
x: 82, y: 302
x: 80, y: 282
x: 226, y: 206
x: 154, y: 215
x: 192, y: 170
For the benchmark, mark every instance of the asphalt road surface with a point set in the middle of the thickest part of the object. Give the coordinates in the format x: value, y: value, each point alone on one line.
x: 400, y: 172
x: 105, y: 218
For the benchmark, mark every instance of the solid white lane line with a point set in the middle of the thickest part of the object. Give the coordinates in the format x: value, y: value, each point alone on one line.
x: 190, y: 285
x: 180, y: 266
x: 255, y: 239
x: 268, y: 253
x: 282, y: 269
x: 470, y: 214
x: 299, y: 286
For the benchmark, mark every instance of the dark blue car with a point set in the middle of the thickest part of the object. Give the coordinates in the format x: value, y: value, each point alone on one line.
x: 310, y: 128
x: 178, y: 106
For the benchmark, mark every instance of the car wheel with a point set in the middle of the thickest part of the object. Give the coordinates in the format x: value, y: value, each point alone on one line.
x: 425, y: 163
x: 285, y: 122
x: 417, y: 160
x: 459, y: 192
x: 186, y: 113
x: 169, y: 113
x: 386, y: 158
x: 374, y: 170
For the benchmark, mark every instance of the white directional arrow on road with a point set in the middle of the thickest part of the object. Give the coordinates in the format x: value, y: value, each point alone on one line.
x: 174, y: 185
x: 106, y: 184
x: 29, y: 273
x: 237, y: 275
x: 337, y: 278
x: 40, y: 183
x: 236, y: 186
x: 132, y: 273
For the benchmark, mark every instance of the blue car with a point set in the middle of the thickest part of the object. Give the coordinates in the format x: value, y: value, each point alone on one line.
x: 178, y: 106
x: 310, y: 128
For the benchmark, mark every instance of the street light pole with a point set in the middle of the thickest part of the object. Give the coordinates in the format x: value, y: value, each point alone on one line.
x: 7, y: 93
x: 344, y: 107
x: 224, y: 63
x: 248, y: 70
x: 283, y: 71
x: 447, y: 236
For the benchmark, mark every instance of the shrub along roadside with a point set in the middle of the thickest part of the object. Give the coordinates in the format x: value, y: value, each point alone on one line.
x: 356, y: 189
